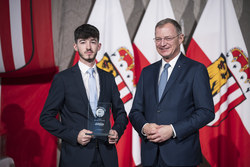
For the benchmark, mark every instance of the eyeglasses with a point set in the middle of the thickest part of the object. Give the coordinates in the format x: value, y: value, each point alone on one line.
x: 166, y: 39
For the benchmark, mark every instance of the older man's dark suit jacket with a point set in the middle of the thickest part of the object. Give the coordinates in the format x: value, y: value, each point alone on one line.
x: 68, y: 97
x: 186, y: 104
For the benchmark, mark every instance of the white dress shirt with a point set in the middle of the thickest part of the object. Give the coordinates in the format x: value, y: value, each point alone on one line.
x: 170, y: 68
x: 85, y: 77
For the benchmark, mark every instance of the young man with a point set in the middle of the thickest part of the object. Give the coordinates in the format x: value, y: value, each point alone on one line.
x: 72, y: 94
x: 173, y: 101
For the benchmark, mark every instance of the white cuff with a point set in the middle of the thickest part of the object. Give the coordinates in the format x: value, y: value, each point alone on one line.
x: 142, y: 130
x: 174, y: 133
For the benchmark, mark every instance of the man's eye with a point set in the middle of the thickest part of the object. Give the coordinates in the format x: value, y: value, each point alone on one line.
x: 94, y: 42
x: 168, y: 39
x: 82, y: 42
x: 158, y: 39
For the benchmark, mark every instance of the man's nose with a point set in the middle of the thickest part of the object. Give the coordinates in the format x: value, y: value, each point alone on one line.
x: 88, y: 45
x: 163, y: 42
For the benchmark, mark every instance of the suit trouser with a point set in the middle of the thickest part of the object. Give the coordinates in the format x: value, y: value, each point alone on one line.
x: 160, y: 163
x: 97, y: 161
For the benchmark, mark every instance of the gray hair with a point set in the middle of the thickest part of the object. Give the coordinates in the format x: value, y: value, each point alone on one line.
x: 171, y: 21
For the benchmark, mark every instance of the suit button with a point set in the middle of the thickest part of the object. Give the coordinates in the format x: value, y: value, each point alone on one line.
x: 158, y: 111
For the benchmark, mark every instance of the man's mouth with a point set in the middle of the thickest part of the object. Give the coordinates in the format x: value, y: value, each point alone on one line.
x: 89, y: 52
x: 164, y: 49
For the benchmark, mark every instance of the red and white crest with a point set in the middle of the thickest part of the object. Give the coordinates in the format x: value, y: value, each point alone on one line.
x: 229, y: 80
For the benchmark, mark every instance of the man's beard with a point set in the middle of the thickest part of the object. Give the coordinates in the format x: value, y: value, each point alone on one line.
x: 88, y: 59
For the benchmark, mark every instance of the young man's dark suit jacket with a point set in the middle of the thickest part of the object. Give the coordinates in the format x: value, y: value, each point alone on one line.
x: 186, y: 104
x: 68, y: 97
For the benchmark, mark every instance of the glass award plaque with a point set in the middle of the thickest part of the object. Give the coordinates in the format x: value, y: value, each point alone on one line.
x: 99, y: 120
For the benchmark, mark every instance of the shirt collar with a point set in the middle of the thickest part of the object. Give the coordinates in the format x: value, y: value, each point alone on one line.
x: 84, y: 68
x: 172, y: 62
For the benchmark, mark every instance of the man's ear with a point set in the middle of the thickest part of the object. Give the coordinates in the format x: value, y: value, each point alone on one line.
x: 99, y: 46
x: 75, y: 47
x: 181, y: 38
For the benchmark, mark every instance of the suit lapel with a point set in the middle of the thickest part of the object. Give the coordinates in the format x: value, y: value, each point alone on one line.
x: 102, y: 86
x: 155, y: 79
x: 79, y: 82
x: 174, y: 75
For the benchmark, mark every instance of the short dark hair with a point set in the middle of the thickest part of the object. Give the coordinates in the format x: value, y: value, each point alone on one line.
x: 171, y: 21
x: 85, y: 31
